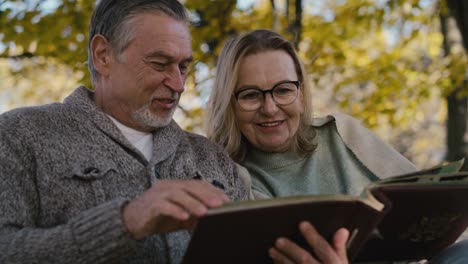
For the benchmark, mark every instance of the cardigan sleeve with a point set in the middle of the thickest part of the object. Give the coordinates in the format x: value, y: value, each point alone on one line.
x: 96, y: 235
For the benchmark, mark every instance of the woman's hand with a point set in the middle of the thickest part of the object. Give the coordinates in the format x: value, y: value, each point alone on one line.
x: 287, y: 252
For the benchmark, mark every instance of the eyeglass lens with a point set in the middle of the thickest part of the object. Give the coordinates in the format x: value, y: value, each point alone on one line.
x: 283, y: 94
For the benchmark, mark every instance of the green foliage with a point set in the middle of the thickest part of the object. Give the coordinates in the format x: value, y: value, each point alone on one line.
x: 377, y: 76
x: 378, y: 57
x: 211, y: 25
x: 61, y: 35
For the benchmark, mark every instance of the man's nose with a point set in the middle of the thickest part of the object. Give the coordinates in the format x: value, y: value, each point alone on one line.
x: 175, y: 80
x: 269, y: 105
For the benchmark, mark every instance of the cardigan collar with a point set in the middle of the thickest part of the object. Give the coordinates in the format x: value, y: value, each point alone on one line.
x: 165, y: 139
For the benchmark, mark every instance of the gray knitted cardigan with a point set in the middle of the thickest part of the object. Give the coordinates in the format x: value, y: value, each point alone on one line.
x: 65, y: 172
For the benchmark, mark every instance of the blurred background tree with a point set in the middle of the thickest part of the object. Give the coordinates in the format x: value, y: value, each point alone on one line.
x: 454, y: 27
x: 398, y: 65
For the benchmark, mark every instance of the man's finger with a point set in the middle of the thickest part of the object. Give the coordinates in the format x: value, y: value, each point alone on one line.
x: 170, y: 209
x: 186, y: 201
x: 205, y: 192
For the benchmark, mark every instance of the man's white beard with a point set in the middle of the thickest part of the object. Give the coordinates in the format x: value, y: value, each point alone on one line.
x: 145, y: 118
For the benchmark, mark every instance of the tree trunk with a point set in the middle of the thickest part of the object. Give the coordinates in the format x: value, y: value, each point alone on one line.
x: 276, y: 22
x: 295, y: 23
x: 298, y: 23
x: 459, y: 9
x: 457, y: 132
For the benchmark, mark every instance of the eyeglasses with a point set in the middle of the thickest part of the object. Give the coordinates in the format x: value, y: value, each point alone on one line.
x: 252, y: 98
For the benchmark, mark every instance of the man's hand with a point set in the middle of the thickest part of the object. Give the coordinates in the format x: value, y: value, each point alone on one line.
x: 170, y: 205
x: 288, y: 252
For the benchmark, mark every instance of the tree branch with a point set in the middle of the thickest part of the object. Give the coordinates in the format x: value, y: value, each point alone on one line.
x: 25, y: 55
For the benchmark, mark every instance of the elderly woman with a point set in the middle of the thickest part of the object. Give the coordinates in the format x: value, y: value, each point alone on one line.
x: 260, y: 112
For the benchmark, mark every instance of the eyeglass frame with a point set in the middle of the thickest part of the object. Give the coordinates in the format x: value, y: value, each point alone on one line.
x: 264, y: 92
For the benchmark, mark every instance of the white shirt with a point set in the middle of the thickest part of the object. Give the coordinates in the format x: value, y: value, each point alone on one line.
x: 142, y: 141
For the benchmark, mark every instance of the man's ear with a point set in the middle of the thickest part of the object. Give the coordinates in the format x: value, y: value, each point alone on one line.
x: 101, y: 54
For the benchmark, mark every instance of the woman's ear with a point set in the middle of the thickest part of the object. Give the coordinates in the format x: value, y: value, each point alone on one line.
x: 101, y: 54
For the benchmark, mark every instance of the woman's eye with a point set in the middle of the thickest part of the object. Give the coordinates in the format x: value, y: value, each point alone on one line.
x: 249, y: 95
x: 282, y: 90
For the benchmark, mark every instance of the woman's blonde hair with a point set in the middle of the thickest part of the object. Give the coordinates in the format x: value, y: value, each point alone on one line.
x: 220, y: 121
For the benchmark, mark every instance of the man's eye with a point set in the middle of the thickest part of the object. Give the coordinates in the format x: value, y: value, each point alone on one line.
x: 183, y: 68
x: 158, y: 65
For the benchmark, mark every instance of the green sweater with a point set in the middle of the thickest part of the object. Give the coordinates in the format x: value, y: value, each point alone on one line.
x: 346, y: 159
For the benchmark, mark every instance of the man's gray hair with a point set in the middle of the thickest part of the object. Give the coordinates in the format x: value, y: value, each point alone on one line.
x: 111, y: 20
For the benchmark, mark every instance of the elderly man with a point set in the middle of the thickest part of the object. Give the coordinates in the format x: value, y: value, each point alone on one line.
x: 107, y: 176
